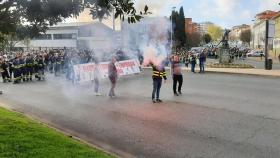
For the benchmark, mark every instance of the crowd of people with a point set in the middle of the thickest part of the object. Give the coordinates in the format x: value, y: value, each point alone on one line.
x: 26, y: 66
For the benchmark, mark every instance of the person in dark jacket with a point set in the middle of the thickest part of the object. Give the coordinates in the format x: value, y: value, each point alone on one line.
x: 4, y: 66
x: 158, y: 74
x: 193, y: 62
x: 113, y: 76
x: 39, y: 67
x: 202, y: 60
x: 57, y: 64
x: 29, y: 67
x: 17, y: 69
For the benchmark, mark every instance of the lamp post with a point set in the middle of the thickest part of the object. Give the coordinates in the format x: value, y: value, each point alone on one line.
x: 173, y: 9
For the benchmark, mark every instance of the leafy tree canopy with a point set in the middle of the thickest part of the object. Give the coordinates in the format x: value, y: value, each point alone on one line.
x: 215, y: 32
x: 29, y: 18
x: 245, y: 36
x: 207, y: 38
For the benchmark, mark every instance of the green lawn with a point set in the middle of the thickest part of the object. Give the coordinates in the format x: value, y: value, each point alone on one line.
x: 21, y: 137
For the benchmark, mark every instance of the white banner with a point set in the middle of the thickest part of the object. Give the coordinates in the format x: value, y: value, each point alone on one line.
x: 87, y: 72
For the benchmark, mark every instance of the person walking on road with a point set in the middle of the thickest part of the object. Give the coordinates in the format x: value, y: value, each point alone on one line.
x: 96, y: 77
x: 113, y: 76
x: 176, y: 72
x: 202, y: 60
x: 158, y: 74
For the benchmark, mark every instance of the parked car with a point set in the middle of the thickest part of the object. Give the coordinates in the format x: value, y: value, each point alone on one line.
x: 255, y: 53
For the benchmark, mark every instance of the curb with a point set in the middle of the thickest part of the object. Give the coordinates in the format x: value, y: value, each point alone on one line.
x: 243, y: 74
x: 230, y: 73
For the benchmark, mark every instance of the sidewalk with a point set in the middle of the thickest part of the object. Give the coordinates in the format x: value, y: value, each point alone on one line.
x: 256, y: 72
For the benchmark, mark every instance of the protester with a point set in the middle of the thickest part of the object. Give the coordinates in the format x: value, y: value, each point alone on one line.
x: 176, y: 72
x: 158, y: 74
x: 113, y: 76
x: 96, y: 77
x: 57, y: 65
x: 4, y: 69
x: 202, y: 60
x: 193, y: 62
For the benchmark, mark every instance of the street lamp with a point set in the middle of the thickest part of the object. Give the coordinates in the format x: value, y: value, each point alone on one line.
x: 173, y: 9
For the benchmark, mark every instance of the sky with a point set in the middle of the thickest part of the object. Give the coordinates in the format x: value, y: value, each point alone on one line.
x: 226, y: 13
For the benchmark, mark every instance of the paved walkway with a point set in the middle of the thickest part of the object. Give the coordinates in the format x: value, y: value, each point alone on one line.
x: 257, y: 72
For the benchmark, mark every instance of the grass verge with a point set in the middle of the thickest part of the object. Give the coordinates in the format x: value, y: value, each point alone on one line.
x: 21, y: 137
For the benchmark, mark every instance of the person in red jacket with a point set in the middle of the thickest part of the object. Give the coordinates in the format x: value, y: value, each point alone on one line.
x: 113, y: 76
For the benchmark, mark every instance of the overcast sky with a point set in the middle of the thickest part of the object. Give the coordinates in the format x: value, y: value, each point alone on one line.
x: 226, y: 13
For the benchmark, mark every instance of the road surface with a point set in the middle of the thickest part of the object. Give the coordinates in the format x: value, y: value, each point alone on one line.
x: 218, y: 115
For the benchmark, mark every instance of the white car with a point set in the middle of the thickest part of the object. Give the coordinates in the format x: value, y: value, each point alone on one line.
x: 255, y: 53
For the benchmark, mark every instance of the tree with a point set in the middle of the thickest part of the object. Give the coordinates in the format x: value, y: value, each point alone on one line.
x: 207, y: 38
x: 194, y: 40
x: 215, y: 32
x: 35, y: 16
x: 178, y: 20
x: 245, y: 36
x: 181, y: 28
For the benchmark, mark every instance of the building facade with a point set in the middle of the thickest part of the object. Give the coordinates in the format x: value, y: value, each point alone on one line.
x: 259, y: 30
x: 237, y: 30
x: 190, y: 26
x: 85, y: 35
x: 202, y: 28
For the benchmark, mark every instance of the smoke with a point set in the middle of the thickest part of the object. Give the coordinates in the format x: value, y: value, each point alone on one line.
x: 149, y: 37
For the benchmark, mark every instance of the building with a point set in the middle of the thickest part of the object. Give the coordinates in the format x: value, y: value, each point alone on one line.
x: 276, y: 41
x: 237, y: 30
x: 83, y: 35
x: 266, y: 15
x: 259, y: 30
x: 190, y: 27
x: 202, y: 28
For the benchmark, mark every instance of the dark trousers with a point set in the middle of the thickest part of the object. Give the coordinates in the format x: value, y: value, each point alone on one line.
x: 57, y: 68
x: 29, y: 74
x: 113, y: 80
x: 17, y: 75
x: 6, y: 76
x: 193, y: 67
x: 177, y: 79
x: 23, y: 73
x: 156, y: 88
x: 201, y: 66
x: 96, y: 85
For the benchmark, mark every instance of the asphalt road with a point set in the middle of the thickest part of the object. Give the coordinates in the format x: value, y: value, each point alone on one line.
x: 218, y: 116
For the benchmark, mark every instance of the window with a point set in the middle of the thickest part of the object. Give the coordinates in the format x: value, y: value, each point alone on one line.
x: 43, y: 37
x: 64, y: 36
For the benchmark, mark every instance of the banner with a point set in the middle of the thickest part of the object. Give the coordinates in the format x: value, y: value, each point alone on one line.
x: 87, y: 72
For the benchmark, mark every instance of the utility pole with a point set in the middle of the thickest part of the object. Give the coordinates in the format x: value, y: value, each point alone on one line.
x: 266, y: 43
x: 113, y: 16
